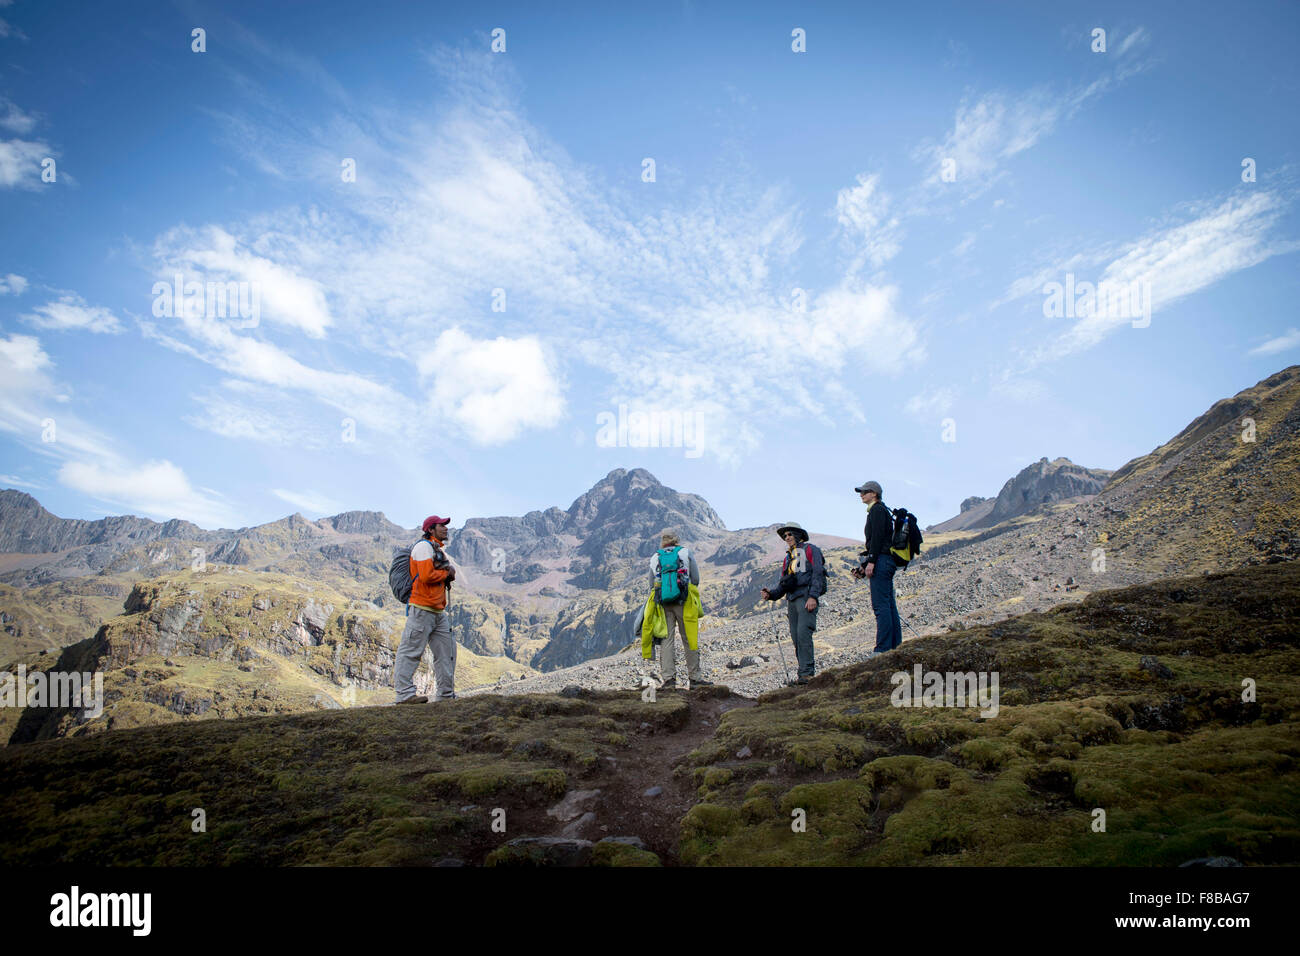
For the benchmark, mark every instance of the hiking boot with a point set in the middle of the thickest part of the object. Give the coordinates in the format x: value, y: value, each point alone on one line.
x: 701, y: 682
x: 414, y: 700
x: 669, y: 684
x: 797, y: 682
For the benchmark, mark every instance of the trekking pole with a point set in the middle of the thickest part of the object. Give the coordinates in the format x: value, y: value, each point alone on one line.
x: 784, y: 667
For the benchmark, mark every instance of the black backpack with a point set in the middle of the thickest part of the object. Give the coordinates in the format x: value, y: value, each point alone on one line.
x: 906, y: 537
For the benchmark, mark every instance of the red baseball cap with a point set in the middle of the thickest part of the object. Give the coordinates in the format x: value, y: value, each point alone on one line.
x: 432, y: 520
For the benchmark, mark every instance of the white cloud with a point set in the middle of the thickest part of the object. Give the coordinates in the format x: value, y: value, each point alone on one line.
x: 1287, y: 340
x: 309, y: 501
x: 34, y: 412
x: 1020, y: 389
x: 492, y: 389
x: 14, y: 119
x: 278, y: 419
x: 23, y: 353
x: 15, y: 481
x: 1180, y: 260
x: 214, y: 255
x: 990, y: 129
x: 1138, y: 37
x: 71, y: 312
x: 264, y: 363
x: 863, y: 213
x: 474, y: 199
x: 932, y: 403
x: 12, y: 284
x: 158, y: 489
x: 20, y: 163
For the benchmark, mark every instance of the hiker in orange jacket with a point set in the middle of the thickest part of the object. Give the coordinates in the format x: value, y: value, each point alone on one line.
x: 426, y: 620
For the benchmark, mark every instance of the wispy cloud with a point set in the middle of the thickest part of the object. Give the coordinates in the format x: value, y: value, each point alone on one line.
x: 474, y: 199
x: 1215, y: 241
x: 309, y: 501
x: 16, y: 482
x: 14, y: 119
x: 283, y: 295
x: 863, y: 212
x: 247, y: 411
x: 7, y: 29
x: 20, y: 158
x: 991, y: 128
x: 70, y: 311
x: 932, y: 403
x: 34, y: 411
x: 20, y: 163
x: 1287, y: 340
x: 158, y: 488
x: 12, y: 284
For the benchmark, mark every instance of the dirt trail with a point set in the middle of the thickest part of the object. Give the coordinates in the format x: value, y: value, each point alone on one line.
x: 622, y: 809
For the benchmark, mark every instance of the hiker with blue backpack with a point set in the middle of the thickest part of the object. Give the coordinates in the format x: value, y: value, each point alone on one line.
x: 420, y: 577
x: 802, y: 583
x: 892, y: 540
x: 675, y: 595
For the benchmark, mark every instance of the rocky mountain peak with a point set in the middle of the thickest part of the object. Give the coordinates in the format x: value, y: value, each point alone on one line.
x: 363, y: 522
x: 633, y: 500
x: 1042, y: 482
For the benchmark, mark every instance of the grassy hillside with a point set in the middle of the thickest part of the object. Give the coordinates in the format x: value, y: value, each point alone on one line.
x: 1181, y: 765
x: 1130, y: 702
x: 226, y: 643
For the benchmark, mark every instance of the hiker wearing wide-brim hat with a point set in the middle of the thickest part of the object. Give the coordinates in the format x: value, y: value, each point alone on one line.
x: 803, y: 582
x: 794, y: 526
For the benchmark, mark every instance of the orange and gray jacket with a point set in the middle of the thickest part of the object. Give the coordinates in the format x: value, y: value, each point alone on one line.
x: 429, y: 566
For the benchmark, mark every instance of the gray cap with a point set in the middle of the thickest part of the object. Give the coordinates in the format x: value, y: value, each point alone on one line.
x: 870, y: 486
x: 792, y: 526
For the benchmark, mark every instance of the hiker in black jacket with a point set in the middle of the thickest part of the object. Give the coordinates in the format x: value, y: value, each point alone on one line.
x: 878, y: 565
x: 803, y: 582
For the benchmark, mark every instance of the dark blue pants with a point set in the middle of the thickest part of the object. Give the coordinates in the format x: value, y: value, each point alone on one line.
x: 802, y: 624
x: 889, y: 627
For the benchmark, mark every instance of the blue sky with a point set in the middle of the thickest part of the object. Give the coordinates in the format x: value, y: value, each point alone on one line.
x: 923, y: 175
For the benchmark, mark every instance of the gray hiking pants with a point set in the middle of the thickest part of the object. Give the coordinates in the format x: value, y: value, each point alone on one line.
x: 668, y: 650
x: 434, y: 629
x: 802, y: 624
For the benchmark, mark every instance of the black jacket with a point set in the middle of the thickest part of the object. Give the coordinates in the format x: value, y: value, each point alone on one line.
x: 879, y: 531
x: 806, y: 584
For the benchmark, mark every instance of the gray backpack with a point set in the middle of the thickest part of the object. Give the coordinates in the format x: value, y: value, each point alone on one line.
x: 399, y: 574
x: 399, y: 571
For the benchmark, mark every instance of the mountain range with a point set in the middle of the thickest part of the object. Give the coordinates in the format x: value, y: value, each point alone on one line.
x: 188, y: 623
